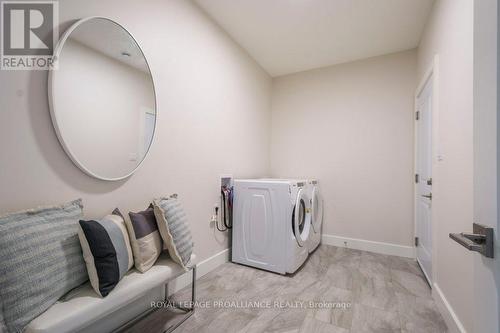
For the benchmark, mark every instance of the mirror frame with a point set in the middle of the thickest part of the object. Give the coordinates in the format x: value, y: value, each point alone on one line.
x: 52, y: 107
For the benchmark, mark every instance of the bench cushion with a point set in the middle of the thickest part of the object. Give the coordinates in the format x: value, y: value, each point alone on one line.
x: 82, y: 307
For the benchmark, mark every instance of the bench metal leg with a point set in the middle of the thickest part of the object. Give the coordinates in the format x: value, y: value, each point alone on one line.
x: 190, y: 310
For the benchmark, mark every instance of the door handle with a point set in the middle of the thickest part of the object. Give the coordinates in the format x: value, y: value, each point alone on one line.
x: 428, y: 196
x: 481, y: 240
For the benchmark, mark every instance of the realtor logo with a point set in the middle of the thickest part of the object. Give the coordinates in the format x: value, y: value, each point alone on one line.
x: 28, y: 34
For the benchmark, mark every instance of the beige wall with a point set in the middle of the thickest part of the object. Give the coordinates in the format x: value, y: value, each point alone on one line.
x: 214, y: 118
x: 449, y: 33
x: 351, y: 126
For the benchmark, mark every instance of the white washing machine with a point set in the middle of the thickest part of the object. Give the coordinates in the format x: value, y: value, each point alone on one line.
x: 271, y: 224
x: 316, y: 214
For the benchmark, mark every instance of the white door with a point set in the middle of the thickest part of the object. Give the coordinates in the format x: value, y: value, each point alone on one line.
x: 423, y: 179
x: 149, y: 129
x: 486, y: 271
x: 147, y: 118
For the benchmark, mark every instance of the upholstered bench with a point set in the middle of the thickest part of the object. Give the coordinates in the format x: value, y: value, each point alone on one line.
x: 82, y: 310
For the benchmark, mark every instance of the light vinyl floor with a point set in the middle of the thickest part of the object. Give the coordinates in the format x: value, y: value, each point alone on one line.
x: 336, y: 290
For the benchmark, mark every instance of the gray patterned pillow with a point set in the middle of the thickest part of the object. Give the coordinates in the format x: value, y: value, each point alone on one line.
x: 3, y: 328
x: 40, y: 260
x: 174, y: 229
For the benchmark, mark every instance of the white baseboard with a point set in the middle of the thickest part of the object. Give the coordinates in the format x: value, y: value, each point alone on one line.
x: 449, y: 316
x: 371, y: 246
x: 209, y: 264
x: 202, y: 268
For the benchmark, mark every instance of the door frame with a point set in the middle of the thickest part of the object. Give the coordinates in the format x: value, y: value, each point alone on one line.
x: 432, y: 72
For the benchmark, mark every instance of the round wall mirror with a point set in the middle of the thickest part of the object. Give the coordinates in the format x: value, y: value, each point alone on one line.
x: 102, y: 98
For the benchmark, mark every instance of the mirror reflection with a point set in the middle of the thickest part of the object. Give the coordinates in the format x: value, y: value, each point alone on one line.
x: 103, y: 100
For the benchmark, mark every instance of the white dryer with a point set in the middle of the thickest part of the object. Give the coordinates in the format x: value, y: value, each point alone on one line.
x: 271, y: 224
x: 316, y: 214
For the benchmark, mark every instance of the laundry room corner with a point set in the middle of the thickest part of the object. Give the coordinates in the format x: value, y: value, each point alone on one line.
x: 351, y: 126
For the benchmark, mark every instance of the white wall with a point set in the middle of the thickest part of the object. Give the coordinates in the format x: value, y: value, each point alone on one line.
x: 351, y: 126
x: 214, y: 118
x: 449, y: 33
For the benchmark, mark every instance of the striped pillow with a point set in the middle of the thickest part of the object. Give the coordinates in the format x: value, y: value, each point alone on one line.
x: 106, y: 250
x: 174, y: 229
x: 40, y: 261
x: 3, y: 328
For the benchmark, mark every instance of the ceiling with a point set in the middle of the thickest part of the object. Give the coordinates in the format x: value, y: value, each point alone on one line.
x: 287, y: 36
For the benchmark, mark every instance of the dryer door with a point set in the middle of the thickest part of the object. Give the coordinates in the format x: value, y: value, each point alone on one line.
x: 316, y: 209
x: 301, y: 218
